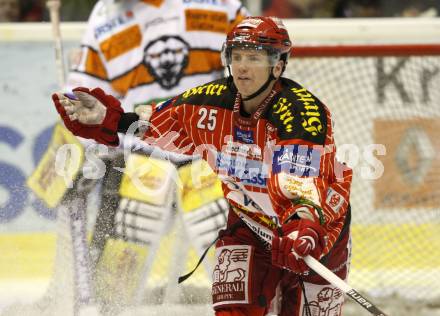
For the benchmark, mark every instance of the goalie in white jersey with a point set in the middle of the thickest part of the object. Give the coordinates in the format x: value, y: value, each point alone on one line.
x: 154, y: 48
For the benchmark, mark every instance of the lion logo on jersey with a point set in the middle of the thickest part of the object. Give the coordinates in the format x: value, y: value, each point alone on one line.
x: 166, y: 58
x: 223, y: 272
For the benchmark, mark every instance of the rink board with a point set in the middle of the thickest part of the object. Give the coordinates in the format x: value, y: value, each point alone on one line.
x: 31, y: 255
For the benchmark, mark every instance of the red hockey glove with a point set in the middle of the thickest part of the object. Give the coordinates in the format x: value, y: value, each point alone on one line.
x: 298, y: 238
x: 90, y: 114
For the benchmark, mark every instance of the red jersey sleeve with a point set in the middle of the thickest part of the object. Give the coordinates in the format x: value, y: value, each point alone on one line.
x: 167, y: 130
x: 305, y: 170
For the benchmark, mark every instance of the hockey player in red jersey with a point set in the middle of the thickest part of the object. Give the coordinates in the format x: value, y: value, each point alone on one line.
x: 271, y: 142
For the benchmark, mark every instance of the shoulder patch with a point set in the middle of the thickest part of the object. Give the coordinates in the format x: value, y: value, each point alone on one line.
x: 298, y: 114
x: 215, y: 93
x: 210, y: 89
x: 313, y: 115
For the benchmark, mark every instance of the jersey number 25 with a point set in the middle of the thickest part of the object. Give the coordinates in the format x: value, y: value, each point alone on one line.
x: 208, y: 119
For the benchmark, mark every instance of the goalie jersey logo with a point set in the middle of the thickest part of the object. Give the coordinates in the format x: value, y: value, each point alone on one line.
x: 150, y: 50
x: 166, y: 58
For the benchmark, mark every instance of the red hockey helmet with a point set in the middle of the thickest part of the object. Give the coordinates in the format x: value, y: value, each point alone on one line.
x: 268, y: 33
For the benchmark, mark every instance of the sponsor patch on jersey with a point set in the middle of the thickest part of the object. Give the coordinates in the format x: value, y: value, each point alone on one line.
x: 246, y: 137
x: 111, y: 24
x: 160, y: 20
x: 207, y: 89
x: 282, y: 110
x: 248, y: 171
x: 206, y: 20
x: 231, y: 275
x: 311, y: 115
x: 121, y: 42
x: 235, y: 148
x: 300, y: 160
x: 293, y: 187
x: 334, y: 200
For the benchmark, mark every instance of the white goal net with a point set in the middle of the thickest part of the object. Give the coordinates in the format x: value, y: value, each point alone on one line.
x: 386, y: 106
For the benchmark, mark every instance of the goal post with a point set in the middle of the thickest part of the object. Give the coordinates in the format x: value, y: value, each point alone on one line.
x: 370, y: 50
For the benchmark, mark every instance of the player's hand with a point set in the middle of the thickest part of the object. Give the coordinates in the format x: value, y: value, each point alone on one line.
x: 144, y: 112
x: 298, y: 238
x: 90, y: 114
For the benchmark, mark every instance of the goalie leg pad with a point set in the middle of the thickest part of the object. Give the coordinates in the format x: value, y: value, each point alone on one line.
x: 119, y: 271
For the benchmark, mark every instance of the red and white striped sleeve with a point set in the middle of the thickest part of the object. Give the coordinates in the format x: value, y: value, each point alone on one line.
x: 167, y: 129
x: 308, y: 174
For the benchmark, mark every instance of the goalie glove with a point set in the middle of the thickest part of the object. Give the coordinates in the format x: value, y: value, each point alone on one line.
x: 90, y: 114
x: 297, y: 239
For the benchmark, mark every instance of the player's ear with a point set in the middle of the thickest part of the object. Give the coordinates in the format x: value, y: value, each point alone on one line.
x: 278, y: 69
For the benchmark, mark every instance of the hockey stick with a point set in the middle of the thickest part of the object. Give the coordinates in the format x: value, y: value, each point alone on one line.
x: 267, y: 235
x: 54, y: 12
x: 319, y: 268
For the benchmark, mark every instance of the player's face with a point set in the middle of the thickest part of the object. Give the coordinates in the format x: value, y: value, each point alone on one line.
x: 250, y: 69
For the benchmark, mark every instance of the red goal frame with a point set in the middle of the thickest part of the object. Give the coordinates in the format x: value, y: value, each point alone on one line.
x: 366, y: 50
